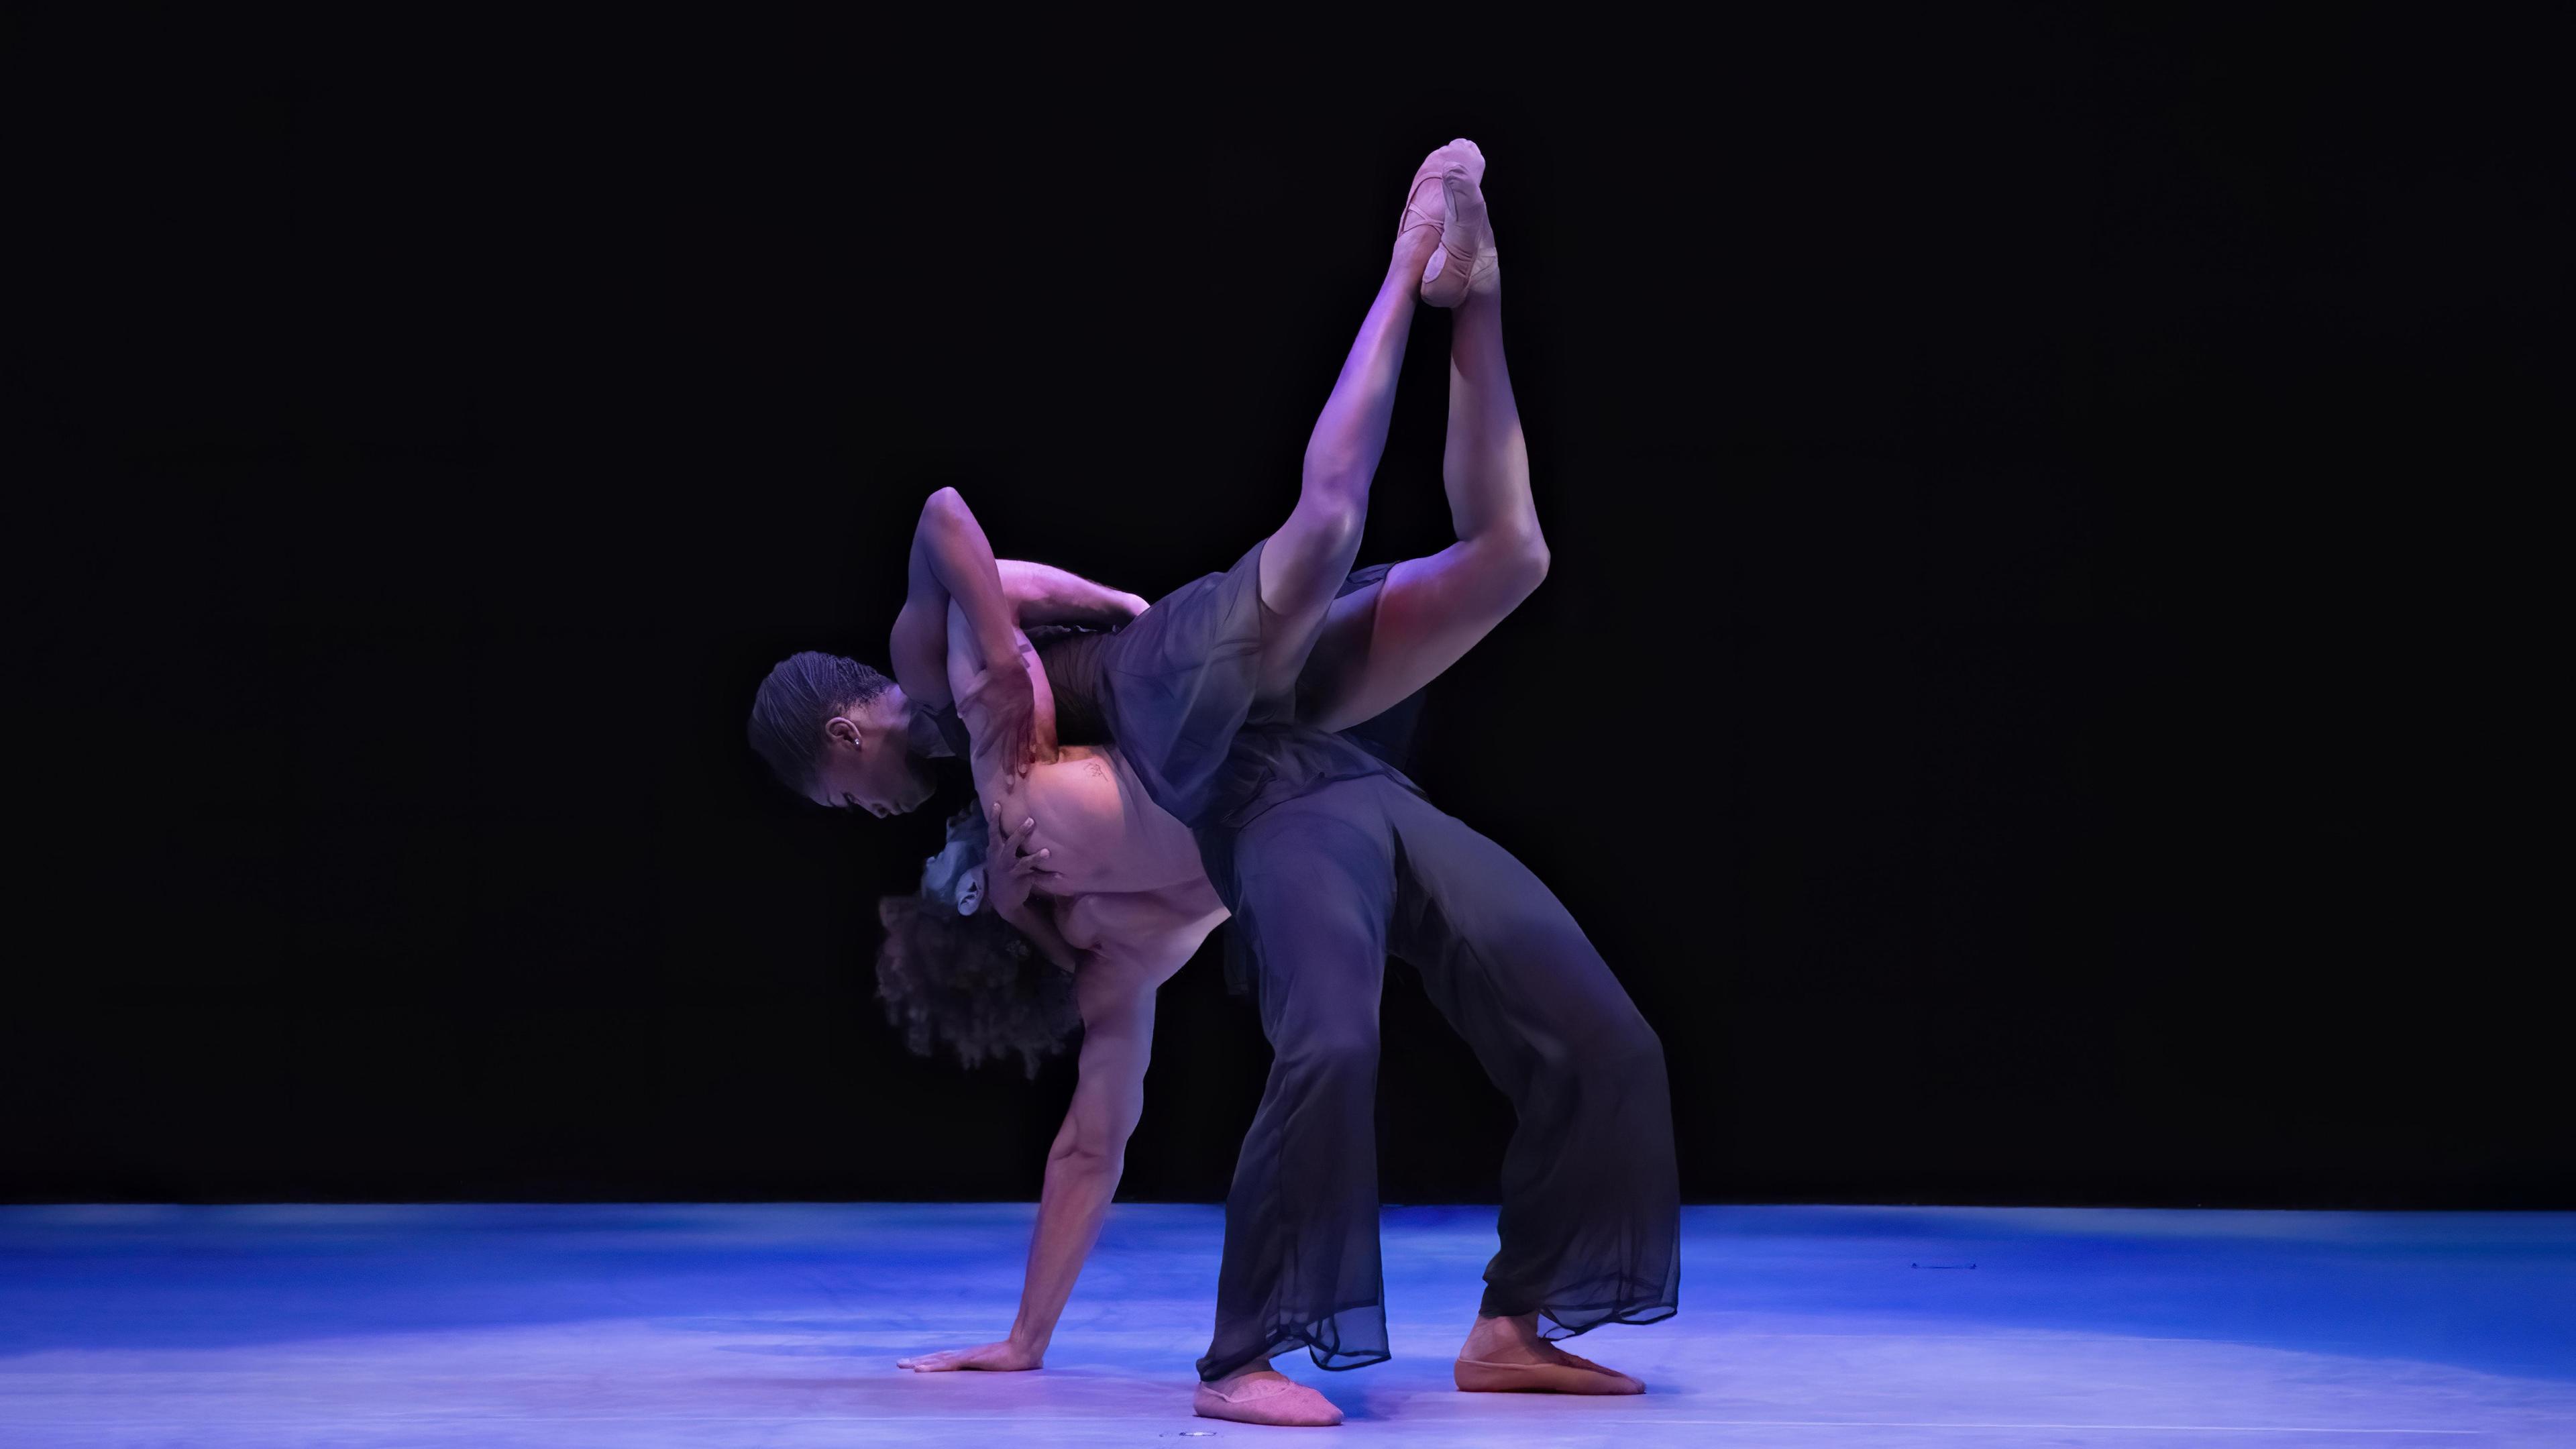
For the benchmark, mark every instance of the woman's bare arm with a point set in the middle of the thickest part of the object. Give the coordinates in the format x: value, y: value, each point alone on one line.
x: 1116, y: 995
x: 1044, y: 594
x: 953, y: 597
x: 954, y: 609
x: 1001, y: 789
x: 1032, y: 593
x: 985, y: 693
x: 1012, y: 871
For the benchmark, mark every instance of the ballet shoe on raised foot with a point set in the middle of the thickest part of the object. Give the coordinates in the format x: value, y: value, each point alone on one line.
x: 1466, y: 261
x: 1265, y: 1397
x: 1424, y: 202
x: 1567, y: 1375
x: 1432, y: 202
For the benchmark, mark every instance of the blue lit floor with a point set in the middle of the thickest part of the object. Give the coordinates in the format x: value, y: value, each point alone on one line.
x: 778, y: 1325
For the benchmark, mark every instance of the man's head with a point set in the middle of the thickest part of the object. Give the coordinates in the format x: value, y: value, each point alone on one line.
x: 840, y: 734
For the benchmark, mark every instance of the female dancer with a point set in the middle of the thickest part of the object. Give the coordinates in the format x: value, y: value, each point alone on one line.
x: 1220, y: 698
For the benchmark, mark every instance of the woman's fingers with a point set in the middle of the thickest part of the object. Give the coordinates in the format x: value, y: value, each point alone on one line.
x: 1009, y: 833
x: 1023, y: 850
x: 1024, y: 841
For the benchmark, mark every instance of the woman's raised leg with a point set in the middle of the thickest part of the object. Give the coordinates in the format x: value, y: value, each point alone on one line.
x: 1304, y: 562
x: 1382, y: 642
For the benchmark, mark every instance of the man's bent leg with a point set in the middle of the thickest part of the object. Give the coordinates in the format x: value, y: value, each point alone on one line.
x: 1591, y: 1212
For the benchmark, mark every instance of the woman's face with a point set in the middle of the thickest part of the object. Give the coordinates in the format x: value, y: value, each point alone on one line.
x: 949, y: 877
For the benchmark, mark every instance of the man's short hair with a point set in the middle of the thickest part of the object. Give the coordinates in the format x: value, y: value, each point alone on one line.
x: 800, y: 694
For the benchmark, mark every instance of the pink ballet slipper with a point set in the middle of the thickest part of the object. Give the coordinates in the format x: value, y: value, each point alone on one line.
x: 1571, y: 1376
x: 1416, y: 214
x: 1467, y: 261
x: 1265, y: 1398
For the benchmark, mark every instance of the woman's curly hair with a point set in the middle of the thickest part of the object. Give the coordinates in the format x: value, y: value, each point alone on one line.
x: 972, y: 981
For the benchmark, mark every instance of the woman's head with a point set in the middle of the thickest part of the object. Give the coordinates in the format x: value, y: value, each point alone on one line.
x: 839, y: 733
x: 951, y: 970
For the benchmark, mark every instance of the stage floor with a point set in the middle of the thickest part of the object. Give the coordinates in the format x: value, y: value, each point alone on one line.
x: 591, y: 1327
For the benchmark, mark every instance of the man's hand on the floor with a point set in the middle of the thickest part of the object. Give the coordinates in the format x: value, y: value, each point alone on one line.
x: 1000, y: 1357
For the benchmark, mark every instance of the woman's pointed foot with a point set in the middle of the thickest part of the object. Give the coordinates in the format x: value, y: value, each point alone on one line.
x: 1264, y: 1396
x: 1466, y: 262
x: 1425, y: 204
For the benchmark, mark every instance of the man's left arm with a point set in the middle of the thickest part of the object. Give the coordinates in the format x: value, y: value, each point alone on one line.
x: 951, y: 563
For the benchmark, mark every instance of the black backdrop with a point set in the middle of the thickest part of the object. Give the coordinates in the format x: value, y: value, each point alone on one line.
x: 2036, y: 517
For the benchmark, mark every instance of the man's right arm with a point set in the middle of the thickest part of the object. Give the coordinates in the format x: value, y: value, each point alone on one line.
x: 1083, y: 1167
x: 1090, y: 1152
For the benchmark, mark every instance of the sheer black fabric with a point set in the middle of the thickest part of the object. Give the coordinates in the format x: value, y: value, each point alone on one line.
x: 1324, y: 888
x: 1331, y: 859
x: 952, y: 730
x: 1172, y: 686
x: 1072, y: 657
x: 1266, y: 763
x: 1216, y: 616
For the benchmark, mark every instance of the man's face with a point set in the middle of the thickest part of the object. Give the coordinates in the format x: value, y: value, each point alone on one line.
x: 868, y: 763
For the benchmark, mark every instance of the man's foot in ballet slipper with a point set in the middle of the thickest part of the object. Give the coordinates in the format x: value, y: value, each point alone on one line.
x: 1263, y: 1395
x: 1506, y: 1356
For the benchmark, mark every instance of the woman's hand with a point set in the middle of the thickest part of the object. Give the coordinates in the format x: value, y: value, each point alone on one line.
x: 1011, y: 874
x: 1004, y: 1357
x: 1022, y: 852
